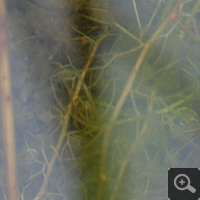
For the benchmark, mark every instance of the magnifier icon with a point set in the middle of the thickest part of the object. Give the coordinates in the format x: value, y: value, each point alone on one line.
x: 182, y: 182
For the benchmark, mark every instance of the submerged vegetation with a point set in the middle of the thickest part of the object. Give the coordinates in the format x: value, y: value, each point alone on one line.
x: 106, y: 96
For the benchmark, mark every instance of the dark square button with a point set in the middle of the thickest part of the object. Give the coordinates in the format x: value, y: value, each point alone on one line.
x: 184, y: 184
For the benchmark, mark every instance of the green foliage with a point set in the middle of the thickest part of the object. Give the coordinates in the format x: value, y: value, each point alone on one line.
x: 94, y: 148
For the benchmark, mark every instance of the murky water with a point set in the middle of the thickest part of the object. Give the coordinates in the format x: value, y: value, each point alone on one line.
x: 61, y: 67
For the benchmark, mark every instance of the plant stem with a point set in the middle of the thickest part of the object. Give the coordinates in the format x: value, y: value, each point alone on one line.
x: 106, y: 131
x: 67, y: 116
x: 12, y: 190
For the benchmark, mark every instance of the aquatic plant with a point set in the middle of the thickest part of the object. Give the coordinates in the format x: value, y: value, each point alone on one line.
x: 114, y: 97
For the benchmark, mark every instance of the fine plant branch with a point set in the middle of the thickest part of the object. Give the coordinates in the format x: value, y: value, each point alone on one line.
x: 132, y: 150
x: 106, y: 132
x: 12, y: 190
x: 126, y: 161
x: 67, y: 116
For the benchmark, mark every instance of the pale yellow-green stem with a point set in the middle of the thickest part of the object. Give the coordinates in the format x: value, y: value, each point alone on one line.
x: 106, y: 131
x: 12, y: 190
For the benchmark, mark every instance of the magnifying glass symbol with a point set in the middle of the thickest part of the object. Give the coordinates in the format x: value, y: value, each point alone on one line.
x: 182, y: 182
